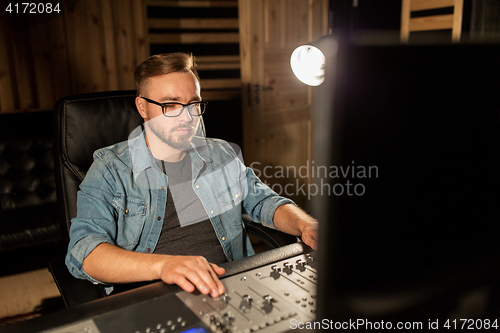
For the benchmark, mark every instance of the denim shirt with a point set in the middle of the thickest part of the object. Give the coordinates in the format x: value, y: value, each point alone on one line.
x: 123, y: 197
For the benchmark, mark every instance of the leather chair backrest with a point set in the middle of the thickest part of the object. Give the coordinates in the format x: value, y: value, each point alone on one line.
x: 82, y: 124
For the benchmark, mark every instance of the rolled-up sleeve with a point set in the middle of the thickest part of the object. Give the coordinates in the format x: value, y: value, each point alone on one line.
x: 261, y: 202
x: 95, y: 222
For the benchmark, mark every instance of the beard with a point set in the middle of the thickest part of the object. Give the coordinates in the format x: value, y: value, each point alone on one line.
x: 181, y: 142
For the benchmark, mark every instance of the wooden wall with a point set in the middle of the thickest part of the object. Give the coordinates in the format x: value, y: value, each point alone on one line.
x: 93, y: 46
x: 207, y: 29
x: 96, y: 45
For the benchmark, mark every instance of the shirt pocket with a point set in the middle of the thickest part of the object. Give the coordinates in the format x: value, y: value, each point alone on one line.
x: 230, y: 201
x: 131, y: 219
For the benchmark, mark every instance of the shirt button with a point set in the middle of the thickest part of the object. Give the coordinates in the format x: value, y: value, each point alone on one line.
x: 211, y: 212
x: 236, y: 195
x: 158, y: 218
x: 197, y: 186
x: 126, y: 211
x: 163, y: 188
x: 149, y: 249
x: 223, y: 238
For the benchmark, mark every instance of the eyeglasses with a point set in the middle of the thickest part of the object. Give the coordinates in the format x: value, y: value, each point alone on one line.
x: 174, y: 109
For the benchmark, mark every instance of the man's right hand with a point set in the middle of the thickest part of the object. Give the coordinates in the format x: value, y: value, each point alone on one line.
x: 111, y: 264
x: 190, y: 272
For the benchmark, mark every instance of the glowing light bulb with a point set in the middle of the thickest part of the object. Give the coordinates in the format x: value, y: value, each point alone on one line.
x: 308, y: 65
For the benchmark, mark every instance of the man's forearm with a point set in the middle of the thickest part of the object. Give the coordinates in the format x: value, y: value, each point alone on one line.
x: 111, y: 264
x: 108, y: 263
x: 292, y: 220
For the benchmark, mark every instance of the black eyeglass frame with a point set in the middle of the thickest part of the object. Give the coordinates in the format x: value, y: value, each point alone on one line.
x: 203, y: 106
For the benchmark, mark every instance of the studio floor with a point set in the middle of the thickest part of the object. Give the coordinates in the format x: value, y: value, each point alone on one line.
x: 27, y: 295
x: 27, y: 288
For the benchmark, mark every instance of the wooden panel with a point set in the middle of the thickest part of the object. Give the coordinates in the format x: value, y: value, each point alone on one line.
x: 318, y: 19
x: 109, y: 45
x: 430, y: 4
x: 189, y: 23
x: 457, y: 20
x: 78, y: 48
x: 218, y: 62
x: 6, y: 85
x: 435, y: 22
x: 23, y: 66
x: 122, y: 20
x: 252, y: 41
x: 95, y: 46
x: 274, y: 20
x: 405, y: 20
x: 220, y: 95
x: 61, y: 77
x: 297, y: 23
x: 284, y: 139
x: 42, y: 77
x: 291, y: 116
x: 94, y: 18
x: 293, y: 155
x: 218, y: 66
x: 139, y: 31
x: 190, y: 38
x: 220, y: 83
x: 287, y: 92
x: 190, y: 3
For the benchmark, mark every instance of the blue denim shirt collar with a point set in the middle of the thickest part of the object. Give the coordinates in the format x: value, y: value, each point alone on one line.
x: 142, y: 158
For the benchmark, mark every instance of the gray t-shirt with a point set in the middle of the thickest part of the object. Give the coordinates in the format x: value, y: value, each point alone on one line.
x: 186, y: 230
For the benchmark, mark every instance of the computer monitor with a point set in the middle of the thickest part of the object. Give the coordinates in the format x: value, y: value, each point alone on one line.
x: 410, y: 202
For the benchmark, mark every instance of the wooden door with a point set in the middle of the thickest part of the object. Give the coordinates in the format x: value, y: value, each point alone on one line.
x: 277, y: 106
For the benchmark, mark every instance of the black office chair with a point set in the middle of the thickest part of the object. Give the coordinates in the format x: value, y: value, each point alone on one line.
x: 83, y: 124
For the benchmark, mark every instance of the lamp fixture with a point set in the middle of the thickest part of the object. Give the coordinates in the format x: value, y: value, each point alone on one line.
x: 308, y: 61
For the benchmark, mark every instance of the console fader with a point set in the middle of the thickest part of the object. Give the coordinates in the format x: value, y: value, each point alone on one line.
x: 264, y: 299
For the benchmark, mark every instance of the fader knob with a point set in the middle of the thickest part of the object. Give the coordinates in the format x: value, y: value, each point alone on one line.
x: 310, y: 261
x: 246, y: 303
x: 287, y: 268
x: 301, y: 265
x: 267, y: 305
x: 275, y: 273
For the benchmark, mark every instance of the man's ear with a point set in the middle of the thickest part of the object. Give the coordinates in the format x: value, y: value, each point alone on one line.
x: 139, y: 103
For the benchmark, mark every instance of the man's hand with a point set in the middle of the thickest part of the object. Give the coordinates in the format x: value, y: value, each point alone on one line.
x: 294, y: 221
x: 309, y: 232
x: 111, y: 264
x: 190, y: 272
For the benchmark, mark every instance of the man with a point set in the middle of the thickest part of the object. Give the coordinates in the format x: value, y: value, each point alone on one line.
x: 160, y: 204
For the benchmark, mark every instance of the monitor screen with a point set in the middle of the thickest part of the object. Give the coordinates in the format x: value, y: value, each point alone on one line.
x: 410, y: 189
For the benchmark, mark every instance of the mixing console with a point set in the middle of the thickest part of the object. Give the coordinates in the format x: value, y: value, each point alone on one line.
x: 264, y: 299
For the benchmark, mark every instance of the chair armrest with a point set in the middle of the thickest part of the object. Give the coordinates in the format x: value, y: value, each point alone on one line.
x: 270, y: 237
x: 73, y: 291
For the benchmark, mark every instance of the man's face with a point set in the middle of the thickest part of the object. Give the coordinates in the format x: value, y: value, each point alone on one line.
x: 177, y: 132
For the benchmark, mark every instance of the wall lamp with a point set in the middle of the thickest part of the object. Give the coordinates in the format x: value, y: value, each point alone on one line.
x: 308, y: 61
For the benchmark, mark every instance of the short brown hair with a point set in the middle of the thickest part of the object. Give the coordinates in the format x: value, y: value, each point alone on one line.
x: 162, y: 64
